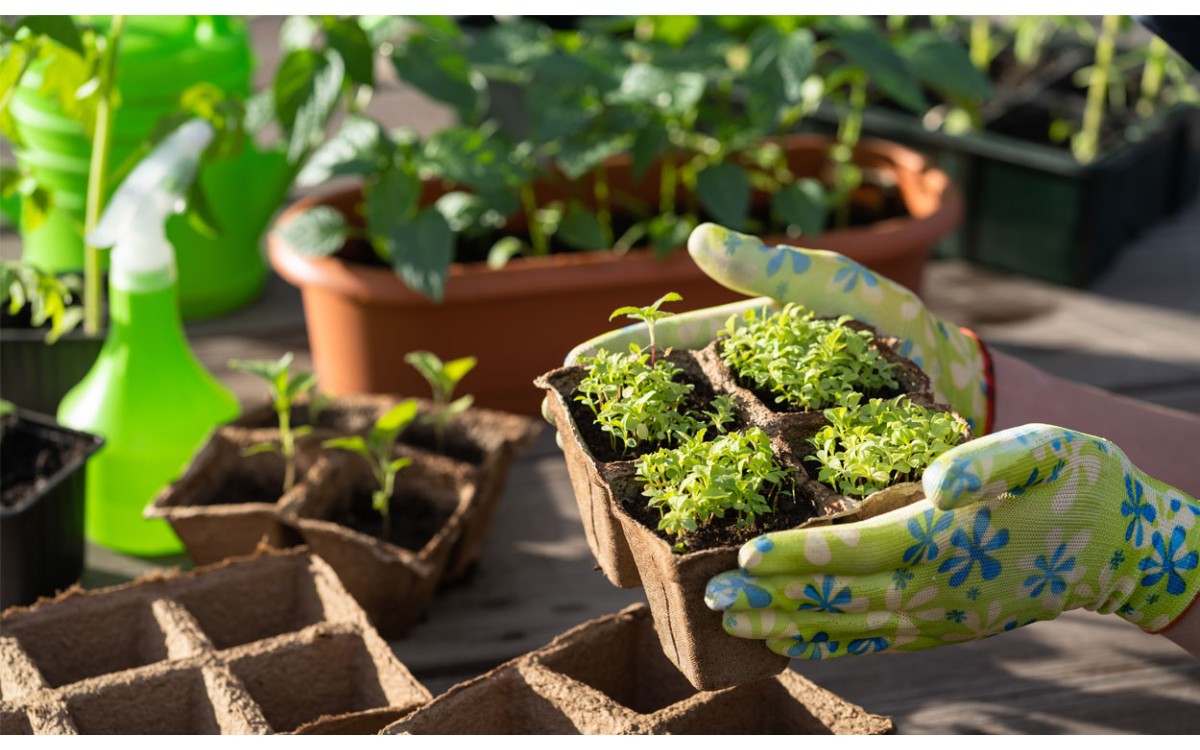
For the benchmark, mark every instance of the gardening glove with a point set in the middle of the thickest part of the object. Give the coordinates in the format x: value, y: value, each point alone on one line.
x: 1017, y: 527
x: 831, y: 285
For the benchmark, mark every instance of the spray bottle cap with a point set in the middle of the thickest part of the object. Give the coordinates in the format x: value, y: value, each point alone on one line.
x: 134, y: 223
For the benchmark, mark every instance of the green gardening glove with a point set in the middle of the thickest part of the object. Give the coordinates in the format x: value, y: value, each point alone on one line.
x: 1017, y: 527
x: 831, y: 285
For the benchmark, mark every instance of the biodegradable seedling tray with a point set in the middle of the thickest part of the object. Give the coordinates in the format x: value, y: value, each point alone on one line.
x: 609, y: 676
x: 213, y: 528
x: 633, y: 555
x: 258, y: 645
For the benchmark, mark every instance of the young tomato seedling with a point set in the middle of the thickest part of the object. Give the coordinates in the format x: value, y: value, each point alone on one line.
x: 649, y: 315
x: 443, y: 379
x: 376, y: 449
x: 284, y: 388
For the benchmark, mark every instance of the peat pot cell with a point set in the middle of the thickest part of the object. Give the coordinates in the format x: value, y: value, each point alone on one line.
x: 500, y: 702
x: 251, y: 603
x: 625, y: 661
x: 333, y: 674
x: 85, y: 637
x: 14, y: 720
x: 762, y: 707
x: 170, y: 703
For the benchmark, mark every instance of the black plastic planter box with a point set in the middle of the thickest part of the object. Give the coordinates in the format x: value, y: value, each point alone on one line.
x: 1034, y: 210
x: 41, y: 540
x: 37, y: 375
x: 1031, y: 208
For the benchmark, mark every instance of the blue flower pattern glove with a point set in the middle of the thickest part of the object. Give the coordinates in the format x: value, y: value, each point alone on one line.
x: 1016, y: 527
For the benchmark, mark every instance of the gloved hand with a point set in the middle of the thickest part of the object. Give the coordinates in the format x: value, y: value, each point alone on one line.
x: 1017, y: 527
x: 831, y: 285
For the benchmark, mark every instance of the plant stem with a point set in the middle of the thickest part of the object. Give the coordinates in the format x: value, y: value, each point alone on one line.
x: 668, y: 185
x: 537, y: 237
x: 1152, y: 76
x: 849, y: 133
x: 981, y: 42
x: 603, y: 208
x: 97, y: 174
x: 1088, y: 141
x: 287, y: 445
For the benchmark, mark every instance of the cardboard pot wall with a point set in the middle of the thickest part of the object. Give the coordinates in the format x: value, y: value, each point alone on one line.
x: 251, y: 646
x: 522, y: 319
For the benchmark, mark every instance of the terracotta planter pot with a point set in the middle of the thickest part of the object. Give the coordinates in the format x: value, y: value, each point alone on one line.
x: 633, y: 555
x: 607, y: 676
x: 256, y: 645
x: 522, y: 319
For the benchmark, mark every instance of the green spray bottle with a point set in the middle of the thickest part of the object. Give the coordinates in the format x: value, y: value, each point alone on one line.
x: 147, y: 395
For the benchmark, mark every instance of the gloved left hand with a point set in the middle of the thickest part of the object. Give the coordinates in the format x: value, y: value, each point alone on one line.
x: 1016, y: 527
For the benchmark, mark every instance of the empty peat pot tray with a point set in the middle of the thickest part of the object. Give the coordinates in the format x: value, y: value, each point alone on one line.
x: 266, y: 644
x: 609, y: 676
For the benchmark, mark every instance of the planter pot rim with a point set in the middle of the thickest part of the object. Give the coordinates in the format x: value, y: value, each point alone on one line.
x: 91, y: 442
x: 566, y: 271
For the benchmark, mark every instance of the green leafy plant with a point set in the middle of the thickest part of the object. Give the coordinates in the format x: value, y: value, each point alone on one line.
x: 867, y: 447
x: 702, y: 480
x: 326, y: 63
x: 377, y: 450
x: 649, y: 315
x: 806, y: 362
x: 49, y: 298
x: 443, y: 378
x: 285, y: 388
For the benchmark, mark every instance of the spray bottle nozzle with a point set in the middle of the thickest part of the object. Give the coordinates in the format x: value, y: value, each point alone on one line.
x: 133, y: 223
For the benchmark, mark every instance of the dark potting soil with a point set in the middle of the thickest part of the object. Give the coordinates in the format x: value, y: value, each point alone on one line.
x: 28, y: 463
x: 414, y: 519
x: 792, y: 507
x: 248, y: 487
x: 1031, y: 121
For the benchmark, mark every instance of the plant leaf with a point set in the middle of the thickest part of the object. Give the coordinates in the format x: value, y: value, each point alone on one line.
x: 300, y: 384
x: 581, y: 155
x: 257, y: 448
x: 673, y: 93
x: 648, y: 145
x: 352, y: 443
x: 306, y: 89
x: 59, y: 28
x: 869, y: 50
x: 797, y: 57
x: 581, y: 229
x: 475, y: 158
x: 505, y: 249
x: 318, y: 232
x: 398, y: 464
x: 393, y: 421
x: 35, y: 205
x: 351, y: 42
x: 724, y: 191
x: 944, y: 65
x: 434, y: 66
x: 421, y: 252
x: 803, y: 204
x: 456, y: 369
x: 391, y: 200
x: 356, y: 149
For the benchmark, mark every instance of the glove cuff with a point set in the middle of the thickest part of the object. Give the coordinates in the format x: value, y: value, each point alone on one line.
x: 989, y: 381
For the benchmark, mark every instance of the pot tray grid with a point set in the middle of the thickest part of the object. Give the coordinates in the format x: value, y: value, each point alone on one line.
x: 265, y: 644
x: 609, y: 676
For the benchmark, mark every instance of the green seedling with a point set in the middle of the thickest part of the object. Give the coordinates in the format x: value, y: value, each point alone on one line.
x: 49, y: 298
x: 701, y: 481
x: 806, y: 362
x: 867, y: 447
x: 649, y: 315
x: 443, y: 379
x: 376, y: 449
x: 284, y: 388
